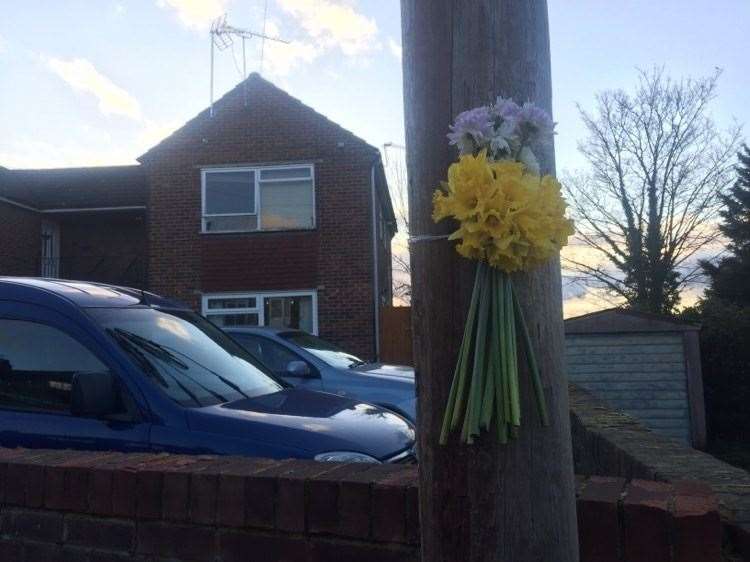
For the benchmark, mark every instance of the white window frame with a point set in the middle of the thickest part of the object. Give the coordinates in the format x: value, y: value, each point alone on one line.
x: 257, y: 210
x: 260, y: 308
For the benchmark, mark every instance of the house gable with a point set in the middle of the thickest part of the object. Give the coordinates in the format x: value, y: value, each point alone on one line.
x: 244, y: 112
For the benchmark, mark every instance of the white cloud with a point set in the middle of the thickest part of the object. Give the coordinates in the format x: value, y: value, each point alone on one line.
x: 82, y: 76
x: 395, y: 48
x: 334, y: 24
x: 280, y: 59
x: 196, y: 14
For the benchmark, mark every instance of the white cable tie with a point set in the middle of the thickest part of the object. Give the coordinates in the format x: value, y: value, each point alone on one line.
x: 427, y: 238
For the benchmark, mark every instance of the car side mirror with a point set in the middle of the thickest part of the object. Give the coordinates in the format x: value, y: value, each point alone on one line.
x: 298, y: 369
x: 94, y: 395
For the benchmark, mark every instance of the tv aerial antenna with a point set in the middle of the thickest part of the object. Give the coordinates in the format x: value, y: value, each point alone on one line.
x: 223, y: 36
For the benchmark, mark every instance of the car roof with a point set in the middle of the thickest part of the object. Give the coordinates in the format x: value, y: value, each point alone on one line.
x: 261, y: 330
x: 86, y: 294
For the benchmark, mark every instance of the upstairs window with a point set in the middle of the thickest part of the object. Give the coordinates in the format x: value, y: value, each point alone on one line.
x: 252, y: 199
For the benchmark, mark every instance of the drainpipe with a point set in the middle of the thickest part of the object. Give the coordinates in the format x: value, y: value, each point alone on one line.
x: 375, y: 260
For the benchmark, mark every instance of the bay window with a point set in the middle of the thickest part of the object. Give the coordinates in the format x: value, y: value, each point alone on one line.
x: 288, y: 309
x: 259, y: 198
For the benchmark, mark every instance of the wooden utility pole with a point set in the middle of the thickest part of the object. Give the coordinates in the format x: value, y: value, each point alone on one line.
x: 513, y: 503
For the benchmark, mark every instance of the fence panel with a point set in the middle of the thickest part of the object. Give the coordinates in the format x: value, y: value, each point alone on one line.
x: 395, y: 335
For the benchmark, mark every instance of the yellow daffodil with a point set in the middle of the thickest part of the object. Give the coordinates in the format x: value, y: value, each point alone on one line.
x: 509, y: 217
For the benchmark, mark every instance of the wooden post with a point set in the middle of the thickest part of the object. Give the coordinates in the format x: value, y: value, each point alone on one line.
x: 483, y: 502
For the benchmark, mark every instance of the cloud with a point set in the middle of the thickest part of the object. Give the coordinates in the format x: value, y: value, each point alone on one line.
x: 196, y: 14
x: 591, y: 300
x: 281, y: 59
x: 82, y: 76
x: 395, y: 48
x: 92, y: 146
x: 334, y: 24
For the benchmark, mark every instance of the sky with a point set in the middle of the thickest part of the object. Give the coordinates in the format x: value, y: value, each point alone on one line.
x: 87, y: 82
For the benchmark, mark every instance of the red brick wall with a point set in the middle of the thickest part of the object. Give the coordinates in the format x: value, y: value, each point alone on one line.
x: 335, y: 258
x: 72, y: 505
x: 20, y: 240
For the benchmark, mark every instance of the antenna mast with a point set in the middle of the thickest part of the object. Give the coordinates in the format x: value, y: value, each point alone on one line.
x: 222, y: 37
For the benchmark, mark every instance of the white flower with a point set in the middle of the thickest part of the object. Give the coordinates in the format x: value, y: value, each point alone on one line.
x: 527, y: 157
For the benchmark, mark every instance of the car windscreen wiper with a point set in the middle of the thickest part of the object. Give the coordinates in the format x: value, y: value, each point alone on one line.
x: 136, y: 352
x: 164, y: 354
x: 152, y: 347
x: 226, y: 381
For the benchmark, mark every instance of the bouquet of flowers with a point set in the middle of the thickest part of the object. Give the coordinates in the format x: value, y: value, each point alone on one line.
x: 510, y: 219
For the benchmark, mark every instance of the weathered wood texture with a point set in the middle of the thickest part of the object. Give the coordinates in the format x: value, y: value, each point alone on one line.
x: 643, y: 375
x: 694, y: 374
x: 647, y: 365
x: 395, y: 335
x: 485, y: 502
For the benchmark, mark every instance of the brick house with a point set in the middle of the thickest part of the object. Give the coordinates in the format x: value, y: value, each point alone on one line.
x: 257, y: 211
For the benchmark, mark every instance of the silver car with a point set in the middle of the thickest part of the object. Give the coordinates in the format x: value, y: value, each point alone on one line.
x: 305, y: 360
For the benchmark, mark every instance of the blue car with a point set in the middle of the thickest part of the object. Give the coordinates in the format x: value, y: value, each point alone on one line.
x: 306, y: 361
x: 95, y: 367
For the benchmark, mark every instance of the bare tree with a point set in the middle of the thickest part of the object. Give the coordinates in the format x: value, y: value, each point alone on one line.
x: 395, y: 169
x: 649, y: 203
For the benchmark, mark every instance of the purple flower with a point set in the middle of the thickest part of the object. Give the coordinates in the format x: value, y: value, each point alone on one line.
x: 471, y: 129
x: 507, y: 110
x: 535, y: 125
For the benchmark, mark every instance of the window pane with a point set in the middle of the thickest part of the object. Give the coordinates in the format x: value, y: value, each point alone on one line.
x: 289, y: 312
x: 285, y: 173
x: 286, y: 205
x: 231, y: 224
x: 231, y: 302
x: 230, y: 192
x: 234, y: 320
x: 37, y: 364
x: 273, y: 355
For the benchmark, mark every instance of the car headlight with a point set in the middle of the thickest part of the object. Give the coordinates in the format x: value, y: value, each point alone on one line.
x: 345, y: 456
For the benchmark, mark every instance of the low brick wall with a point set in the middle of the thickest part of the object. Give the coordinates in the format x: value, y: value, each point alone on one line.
x: 610, y: 442
x: 647, y: 521
x: 97, y: 507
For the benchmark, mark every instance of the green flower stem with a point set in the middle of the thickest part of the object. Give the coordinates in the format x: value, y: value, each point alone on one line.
x: 495, y: 359
x: 488, y: 399
x: 455, y: 398
x: 479, y: 369
x: 510, y: 334
x: 467, y: 350
x: 536, y: 378
x: 486, y: 377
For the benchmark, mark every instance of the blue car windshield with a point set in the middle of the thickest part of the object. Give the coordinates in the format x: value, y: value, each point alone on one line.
x: 334, y: 356
x: 186, y: 356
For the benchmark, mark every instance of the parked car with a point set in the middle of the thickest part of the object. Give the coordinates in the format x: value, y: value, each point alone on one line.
x: 90, y: 366
x: 307, y: 361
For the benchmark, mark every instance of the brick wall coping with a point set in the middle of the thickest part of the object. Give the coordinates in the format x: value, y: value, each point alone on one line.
x: 89, y: 507
x: 610, y: 442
